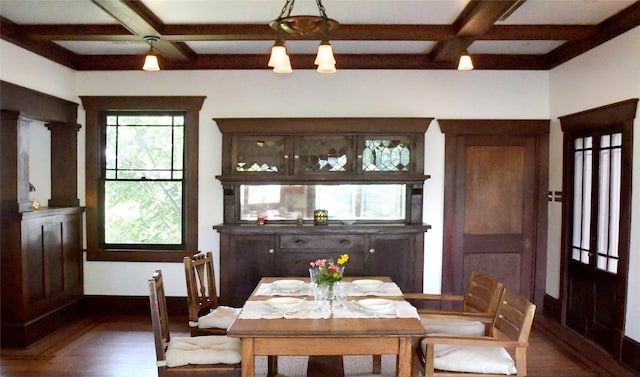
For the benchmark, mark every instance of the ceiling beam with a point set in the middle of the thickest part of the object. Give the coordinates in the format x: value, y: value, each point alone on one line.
x: 136, y: 18
x: 476, y: 18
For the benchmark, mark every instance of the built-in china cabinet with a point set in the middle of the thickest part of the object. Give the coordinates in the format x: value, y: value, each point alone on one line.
x: 368, y: 173
x: 41, y: 246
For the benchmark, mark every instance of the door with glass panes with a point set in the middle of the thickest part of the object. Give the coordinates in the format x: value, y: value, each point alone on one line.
x: 597, y: 219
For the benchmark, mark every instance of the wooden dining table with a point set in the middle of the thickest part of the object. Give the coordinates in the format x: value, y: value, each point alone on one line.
x: 331, y: 336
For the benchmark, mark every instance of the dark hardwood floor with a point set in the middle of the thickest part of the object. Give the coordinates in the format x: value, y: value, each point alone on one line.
x: 98, y: 346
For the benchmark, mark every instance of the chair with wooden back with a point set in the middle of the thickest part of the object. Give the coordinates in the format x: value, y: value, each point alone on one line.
x: 205, y: 316
x: 478, y: 307
x: 489, y: 355
x: 214, y: 355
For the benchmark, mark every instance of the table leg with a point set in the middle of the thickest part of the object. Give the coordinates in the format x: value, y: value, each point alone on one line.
x: 248, y: 358
x: 404, y: 357
x: 272, y: 366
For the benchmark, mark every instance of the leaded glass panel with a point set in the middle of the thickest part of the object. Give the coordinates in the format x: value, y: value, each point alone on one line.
x: 323, y: 154
x: 386, y: 155
x: 261, y: 154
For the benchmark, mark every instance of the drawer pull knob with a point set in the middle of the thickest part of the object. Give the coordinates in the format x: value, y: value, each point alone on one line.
x: 372, y: 250
x: 300, y: 242
x: 271, y: 251
x: 345, y: 242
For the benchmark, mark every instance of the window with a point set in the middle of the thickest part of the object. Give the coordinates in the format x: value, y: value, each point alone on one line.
x: 143, y: 179
x: 142, y: 183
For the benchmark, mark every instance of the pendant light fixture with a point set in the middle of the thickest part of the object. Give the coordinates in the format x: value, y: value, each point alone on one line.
x: 465, y: 63
x: 303, y: 26
x: 151, y: 61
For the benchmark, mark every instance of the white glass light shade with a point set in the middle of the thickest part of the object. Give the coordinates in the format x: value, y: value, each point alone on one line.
x: 327, y: 68
x: 325, y: 55
x: 151, y: 63
x: 465, y: 63
x: 278, y: 56
x: 283, y: 66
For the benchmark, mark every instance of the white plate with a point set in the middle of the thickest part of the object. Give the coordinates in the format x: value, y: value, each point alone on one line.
x: 288, y: 285
x: 366, y: 285
x: 376, y: 304
x: 283, y: 303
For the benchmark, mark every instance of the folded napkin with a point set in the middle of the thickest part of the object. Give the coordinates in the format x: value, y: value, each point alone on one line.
x: 400, y: 309
x: 266, y: 289
x: 306, y: 310
x: 386, y: 289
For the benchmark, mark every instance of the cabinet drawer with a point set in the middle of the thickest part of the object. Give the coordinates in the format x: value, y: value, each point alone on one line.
x: 335, y: 241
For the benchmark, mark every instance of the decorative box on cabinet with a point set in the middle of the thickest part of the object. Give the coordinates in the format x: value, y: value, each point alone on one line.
x: 249, y: 252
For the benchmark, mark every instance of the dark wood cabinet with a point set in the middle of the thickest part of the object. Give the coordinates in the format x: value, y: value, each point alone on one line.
x: 305, y: 156
x: 249, y: 252
x: 41, y: 250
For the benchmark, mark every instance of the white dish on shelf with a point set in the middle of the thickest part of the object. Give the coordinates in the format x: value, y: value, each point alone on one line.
x: 288, y: 285
x: 367, y: 285
x: 283, y: 304
x: 376, y: 305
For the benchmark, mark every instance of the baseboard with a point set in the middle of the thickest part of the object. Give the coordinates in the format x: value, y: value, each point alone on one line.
x: 584, y: 350
x: 24, y: 334
x: 631, y: 354
x: 129, y: 305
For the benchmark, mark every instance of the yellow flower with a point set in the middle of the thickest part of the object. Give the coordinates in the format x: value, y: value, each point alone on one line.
x: 343, y: 259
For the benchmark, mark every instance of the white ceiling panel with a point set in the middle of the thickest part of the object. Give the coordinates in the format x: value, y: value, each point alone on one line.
x: 105, y: 47
x: 569, y: 12
x: 513, y: 47
x: 54, y: 12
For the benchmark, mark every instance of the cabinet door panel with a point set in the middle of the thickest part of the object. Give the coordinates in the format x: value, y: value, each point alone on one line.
x: 291, y: 262
x: 247, y: 259
x: 323, y: 154
x: 393, y: 255
x: 260, y: 154
x: 386, y: 154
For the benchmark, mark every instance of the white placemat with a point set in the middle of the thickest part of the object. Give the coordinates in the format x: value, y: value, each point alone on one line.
x: 386, y: 289
x: 266, y: 289
x: 400, y: 309
x: 306, y: 310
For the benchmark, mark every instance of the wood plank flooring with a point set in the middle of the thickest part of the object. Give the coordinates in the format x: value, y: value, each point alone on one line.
x: 123, y: 347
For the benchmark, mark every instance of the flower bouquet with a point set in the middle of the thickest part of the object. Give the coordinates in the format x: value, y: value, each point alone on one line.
x: 326, y: 271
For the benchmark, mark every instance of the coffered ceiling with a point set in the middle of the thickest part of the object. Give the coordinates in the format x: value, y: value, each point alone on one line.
x: 373, y: 34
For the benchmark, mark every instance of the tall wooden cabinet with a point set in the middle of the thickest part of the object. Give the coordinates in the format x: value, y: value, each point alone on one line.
x: 41, y: 250
x: 320, y: 151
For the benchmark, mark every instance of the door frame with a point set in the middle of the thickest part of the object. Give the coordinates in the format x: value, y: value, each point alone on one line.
x: 621, y: 114
x: 452, y: 270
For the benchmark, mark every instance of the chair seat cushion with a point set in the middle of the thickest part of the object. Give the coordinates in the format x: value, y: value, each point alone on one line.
x: 220, y: 318
x: 457, y: 327
x: 472, y: 359
x: 212, y: 349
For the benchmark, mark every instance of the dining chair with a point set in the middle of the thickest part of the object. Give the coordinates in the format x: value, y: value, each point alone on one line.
x: 206, y: 317
x: 489, y: 355
x: 478, y: 306
x: 213, y: 355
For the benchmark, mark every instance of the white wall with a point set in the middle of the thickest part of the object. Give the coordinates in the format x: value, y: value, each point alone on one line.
x: 605, y: 75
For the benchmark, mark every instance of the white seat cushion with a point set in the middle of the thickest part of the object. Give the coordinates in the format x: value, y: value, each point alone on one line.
x: 495, y: 360
x: 457, y: 327
x: 219, y: 318
x: 212, y: 349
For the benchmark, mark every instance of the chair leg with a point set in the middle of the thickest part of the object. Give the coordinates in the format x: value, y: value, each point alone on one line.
x: 377, y: 364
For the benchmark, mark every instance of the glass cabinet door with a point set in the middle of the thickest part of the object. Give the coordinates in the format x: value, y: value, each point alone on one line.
x: 323, y: 154
x: 385, y: 154
x: 261, y: 154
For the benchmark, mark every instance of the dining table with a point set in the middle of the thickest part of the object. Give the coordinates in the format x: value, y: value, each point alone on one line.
x: 335, y: 329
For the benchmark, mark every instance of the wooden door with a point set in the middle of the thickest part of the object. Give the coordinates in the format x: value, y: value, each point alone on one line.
x: 495, y: 204
x: 596, y: 221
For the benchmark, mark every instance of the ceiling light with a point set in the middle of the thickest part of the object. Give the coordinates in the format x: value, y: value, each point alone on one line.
x: 151, y: 61
x: 304, y: 26
x: 465, y: 63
